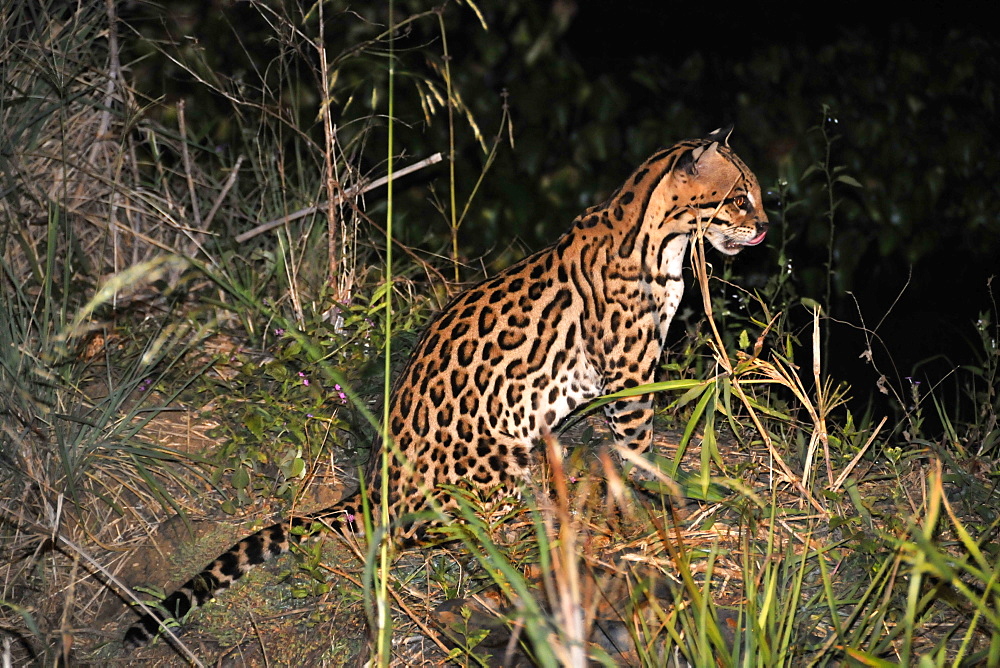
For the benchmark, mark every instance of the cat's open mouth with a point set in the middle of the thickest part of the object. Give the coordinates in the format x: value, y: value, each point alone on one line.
x: 734, y: 244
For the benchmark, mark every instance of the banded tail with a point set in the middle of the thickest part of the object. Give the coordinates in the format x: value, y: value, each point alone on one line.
x: 236, y: 562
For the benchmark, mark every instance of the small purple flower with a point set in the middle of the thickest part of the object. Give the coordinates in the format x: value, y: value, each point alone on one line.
x: 302, y: 375
x: 278, y: 331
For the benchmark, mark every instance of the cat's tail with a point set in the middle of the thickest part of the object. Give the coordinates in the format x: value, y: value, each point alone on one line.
x: 235, y: 562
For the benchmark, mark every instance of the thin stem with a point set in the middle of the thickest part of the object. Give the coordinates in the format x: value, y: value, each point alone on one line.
x: 831, y: 207
x: 334, y: 242
x: 446, y: 57
x: 384, y: 620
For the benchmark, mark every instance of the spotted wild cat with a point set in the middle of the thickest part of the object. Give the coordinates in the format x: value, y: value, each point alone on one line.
x: 508, y: 359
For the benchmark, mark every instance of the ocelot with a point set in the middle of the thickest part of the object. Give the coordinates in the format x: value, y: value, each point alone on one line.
x: 508, y: 359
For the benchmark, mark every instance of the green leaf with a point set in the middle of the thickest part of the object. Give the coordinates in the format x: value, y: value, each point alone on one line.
x: 277, y: 371
x: 689, y: 485
x: 255, y: 423
x: 297, y: 468
x: 848, y: 180
x: 810, y: 170
x: 240, y: 478
x: 812, y: 304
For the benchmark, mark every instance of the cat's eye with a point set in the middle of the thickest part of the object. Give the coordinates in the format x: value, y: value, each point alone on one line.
x: 741, y: 201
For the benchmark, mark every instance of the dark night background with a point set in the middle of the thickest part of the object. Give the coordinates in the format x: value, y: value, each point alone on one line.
x: 925, y: 282
x: 595, y: 87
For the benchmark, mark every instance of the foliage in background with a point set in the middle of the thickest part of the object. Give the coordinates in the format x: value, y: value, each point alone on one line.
x: 577, y: 132
x: 914, y: 126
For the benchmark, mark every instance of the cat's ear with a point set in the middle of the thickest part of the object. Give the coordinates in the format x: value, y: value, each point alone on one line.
x: 687, y: 164
x: 699, y: 155
x: 721, y: 135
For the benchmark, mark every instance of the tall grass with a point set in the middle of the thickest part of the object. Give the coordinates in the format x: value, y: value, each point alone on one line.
x: 141, y: 217
x: 81, y: 380
x: 818, y: 575
x: 826, y: 570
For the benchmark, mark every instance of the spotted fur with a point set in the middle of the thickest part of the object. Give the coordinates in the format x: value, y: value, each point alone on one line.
x: 506, y: 361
